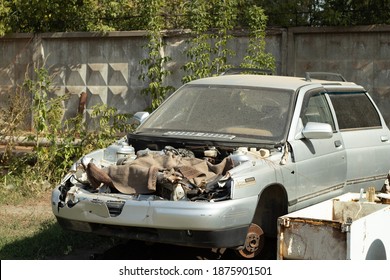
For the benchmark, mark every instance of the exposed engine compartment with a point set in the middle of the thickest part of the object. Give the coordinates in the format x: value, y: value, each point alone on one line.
x: 192, y: 173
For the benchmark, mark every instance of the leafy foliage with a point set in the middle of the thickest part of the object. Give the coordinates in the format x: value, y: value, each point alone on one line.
x: 326, y: 13
x: 256, y: 56
x: 346, y: 12
x: 107, y: 15
x: 5, y: 10
x: 225, y: 21
x: 155, y: 61
x: 208, y: 52
x: 199, y: 51
x: 48, y: 15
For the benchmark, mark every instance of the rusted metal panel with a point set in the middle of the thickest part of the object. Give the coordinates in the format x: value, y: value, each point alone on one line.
x: 305, y: 239
x: 345, y: 228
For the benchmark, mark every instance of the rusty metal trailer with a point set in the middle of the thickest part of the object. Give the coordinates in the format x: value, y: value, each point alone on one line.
x: 344, y: 228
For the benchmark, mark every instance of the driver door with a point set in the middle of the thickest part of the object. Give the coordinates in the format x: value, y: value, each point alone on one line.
x: 320, y: 164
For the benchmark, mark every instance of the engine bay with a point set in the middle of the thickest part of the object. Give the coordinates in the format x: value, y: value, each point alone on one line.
x: 137, y: 168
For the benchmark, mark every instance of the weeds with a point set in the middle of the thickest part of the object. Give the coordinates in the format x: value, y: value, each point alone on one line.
x: 156, y: 60
x: 56, y: 143
x: 12, y: 117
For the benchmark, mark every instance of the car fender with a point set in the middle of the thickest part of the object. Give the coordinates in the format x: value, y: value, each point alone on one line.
x: 252, y: 177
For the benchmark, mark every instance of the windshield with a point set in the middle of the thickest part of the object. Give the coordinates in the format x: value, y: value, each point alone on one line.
x: 223, y: 110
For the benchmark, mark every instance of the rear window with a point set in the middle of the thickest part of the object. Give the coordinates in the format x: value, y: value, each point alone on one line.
x: 354, y: 110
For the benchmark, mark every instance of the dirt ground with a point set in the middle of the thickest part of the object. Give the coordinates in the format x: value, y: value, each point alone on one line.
x: 40, y: 207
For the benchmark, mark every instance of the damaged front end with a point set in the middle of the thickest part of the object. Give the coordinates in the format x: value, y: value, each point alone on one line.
x: 178, y: 198
x: 169, y: 174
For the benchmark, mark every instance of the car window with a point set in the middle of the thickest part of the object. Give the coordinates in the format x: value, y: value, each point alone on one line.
x: 316, y: 109
x: 354, y: 110
x: 257, y: 112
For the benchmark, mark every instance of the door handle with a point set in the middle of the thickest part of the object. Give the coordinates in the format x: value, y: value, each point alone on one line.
x: 338, y: 143
x: 384, y: 138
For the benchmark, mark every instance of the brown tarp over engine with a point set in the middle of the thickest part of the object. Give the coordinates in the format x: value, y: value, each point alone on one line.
x: 141, y: 175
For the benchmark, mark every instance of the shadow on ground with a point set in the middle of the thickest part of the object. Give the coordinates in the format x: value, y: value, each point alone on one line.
x: 138, y: 250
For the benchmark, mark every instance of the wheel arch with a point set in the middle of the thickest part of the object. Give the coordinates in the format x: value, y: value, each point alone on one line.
x: 272, y: 203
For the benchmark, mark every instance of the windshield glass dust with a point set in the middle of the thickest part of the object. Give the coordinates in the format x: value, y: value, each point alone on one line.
x: 237, y: 111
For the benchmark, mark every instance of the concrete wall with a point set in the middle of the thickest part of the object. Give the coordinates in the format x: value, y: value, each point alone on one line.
x: 107, y: 67
x: 360, y: 54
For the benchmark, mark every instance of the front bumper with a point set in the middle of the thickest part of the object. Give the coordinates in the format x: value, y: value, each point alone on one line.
x: 220, y: 224
x: 228, y: 238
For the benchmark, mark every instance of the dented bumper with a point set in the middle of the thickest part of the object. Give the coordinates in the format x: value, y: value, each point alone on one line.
x: 203, y: 224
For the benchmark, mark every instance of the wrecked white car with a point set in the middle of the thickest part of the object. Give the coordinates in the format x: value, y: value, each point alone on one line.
x: 223, y: 157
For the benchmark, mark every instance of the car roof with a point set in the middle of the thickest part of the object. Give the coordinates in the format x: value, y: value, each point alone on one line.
x: 268, y: 81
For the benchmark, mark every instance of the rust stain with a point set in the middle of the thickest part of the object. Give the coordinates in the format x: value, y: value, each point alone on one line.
x: 82, y: 102
x: 315, y: 222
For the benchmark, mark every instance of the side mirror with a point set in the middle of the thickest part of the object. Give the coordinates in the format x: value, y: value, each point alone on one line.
x: 315, y: 130
x: 140, y: 117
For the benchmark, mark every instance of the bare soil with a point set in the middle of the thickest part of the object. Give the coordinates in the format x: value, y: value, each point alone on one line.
x: 37, y: 207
